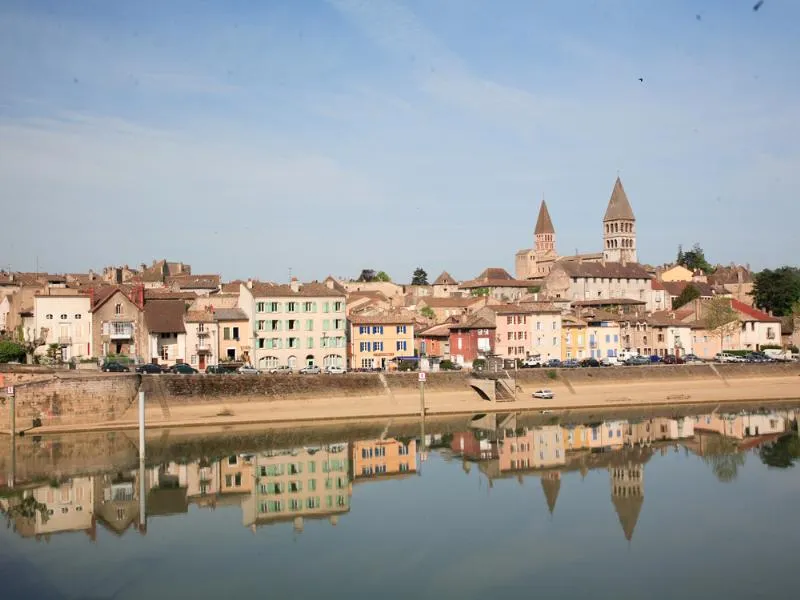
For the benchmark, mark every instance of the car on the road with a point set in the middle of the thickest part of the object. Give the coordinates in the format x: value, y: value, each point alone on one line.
x: 150, y: 369
x: 282, y: 370
x: 692, y: 359
x: 182, y: 369
x: 553, y: 363
x: 671, y: 359
x: 247, y: 370
x: 115, y: 367
x: 544, y: 394
x: 333, y: 370
x: 310, y: 370
x: 590, y: 362
x: 219, y: 370
x: 725, y: 357
x: 637, y: 360
x: 570, y: 363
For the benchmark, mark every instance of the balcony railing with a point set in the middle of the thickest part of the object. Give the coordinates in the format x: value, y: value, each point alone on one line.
x: 202, y: 333
x: 65, y: 340
x: 121, y: 331
x: 201, y: 347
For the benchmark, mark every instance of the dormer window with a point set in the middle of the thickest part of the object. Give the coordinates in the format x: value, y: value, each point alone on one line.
x: 118, y: 309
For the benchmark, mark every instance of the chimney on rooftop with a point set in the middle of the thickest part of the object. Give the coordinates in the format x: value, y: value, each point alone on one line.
x: 295, y: 285
x: 249, y: 284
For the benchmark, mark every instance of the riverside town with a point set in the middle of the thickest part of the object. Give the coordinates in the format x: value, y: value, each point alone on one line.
x: 399, y: 300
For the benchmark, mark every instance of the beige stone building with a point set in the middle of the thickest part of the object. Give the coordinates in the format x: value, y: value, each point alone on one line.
x: 65, y: 317
x: 577, y: 280
x: 202, y: 338
x: 445, y: 286
x: 296, y: 325
x: 378, y: 341
x: 234, y: 335
x: 118, y: 322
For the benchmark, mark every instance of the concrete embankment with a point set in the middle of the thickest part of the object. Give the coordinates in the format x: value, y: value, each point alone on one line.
x: 71, y: 400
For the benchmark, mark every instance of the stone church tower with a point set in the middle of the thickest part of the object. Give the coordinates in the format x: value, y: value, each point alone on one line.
x: 536, y: 262
x: 619, y: 228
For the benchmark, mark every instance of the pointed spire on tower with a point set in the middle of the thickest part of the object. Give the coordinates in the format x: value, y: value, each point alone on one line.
x: 618, y: 205
x: 551, y: 486
x: 543, y: 223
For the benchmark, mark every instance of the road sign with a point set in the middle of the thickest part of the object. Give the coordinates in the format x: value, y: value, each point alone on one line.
x: 422, y: 377
x: 10, y: 390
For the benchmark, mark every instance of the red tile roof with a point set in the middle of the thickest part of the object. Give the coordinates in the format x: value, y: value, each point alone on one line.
x: 752, y: 314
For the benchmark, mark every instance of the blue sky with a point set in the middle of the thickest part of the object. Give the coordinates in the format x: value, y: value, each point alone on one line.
x: 253, y: 137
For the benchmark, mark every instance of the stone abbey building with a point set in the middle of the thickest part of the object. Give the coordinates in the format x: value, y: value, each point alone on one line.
x: 619, y: 240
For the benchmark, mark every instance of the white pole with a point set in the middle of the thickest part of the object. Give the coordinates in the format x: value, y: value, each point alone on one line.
x: 142, y: 495
x: 141, y: 425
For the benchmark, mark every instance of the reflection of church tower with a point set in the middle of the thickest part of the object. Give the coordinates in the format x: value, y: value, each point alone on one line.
x: 619, y: 228
x: 551, y: 484
x: 627, y: 494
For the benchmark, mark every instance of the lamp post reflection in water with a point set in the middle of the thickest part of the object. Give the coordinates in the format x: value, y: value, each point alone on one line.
x: 423, y: 447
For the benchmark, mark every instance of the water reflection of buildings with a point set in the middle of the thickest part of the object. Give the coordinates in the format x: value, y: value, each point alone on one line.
x: 316, y: 482
x: 621, y: 447
x: 298, y: 484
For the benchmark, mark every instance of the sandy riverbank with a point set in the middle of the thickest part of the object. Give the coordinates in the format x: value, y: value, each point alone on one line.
x: 600, y: 395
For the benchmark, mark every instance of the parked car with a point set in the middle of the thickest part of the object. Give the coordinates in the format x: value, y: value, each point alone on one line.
x: 282, y: 370
x: 637, y: 360
x: 310, y: 370
x: 150, y: 369
x: 655, y: 358
x: 182, y: 369
x: 570, y: 363
x: 532, y: 361
x: 219, y: 370
x: 725, y: 357
x: 553, y: 363
x: 758, y: 357
x: 544, y: 394
x: 115, y: 367
x: 671, y: 359
x: 609, y: 361
x: 247, y: 370
x: 590, y: 362
x: 332, y: 370
x: 692, y: 359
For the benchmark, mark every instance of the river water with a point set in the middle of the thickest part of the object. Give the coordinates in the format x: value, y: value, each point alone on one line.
x: 518, y: 505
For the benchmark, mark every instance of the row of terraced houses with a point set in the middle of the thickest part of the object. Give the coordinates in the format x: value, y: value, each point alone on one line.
x: 578, y: 306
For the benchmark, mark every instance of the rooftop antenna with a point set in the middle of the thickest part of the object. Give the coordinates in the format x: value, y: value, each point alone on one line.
x: 290, y: 274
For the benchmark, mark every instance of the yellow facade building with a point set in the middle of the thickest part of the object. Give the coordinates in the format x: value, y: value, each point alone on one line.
x: 379, y: 341
x: 573, y: 338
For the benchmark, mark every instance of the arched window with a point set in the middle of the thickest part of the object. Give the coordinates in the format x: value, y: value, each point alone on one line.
x: 310, y: 360
x: 292, y: 362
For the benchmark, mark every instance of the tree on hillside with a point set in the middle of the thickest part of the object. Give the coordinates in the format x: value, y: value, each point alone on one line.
x: 420, y: 277
x: 777, y: 290
x: 479, y: 292
x: 679, y: 260
x: 720, y: 319
x: 427, y: 312
x: 382, y: 276
x: 367, y: 275
x: 694, y: 259
x: 688, y: 294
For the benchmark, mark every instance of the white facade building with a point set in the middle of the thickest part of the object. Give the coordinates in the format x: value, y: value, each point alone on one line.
x: 67, y: 321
